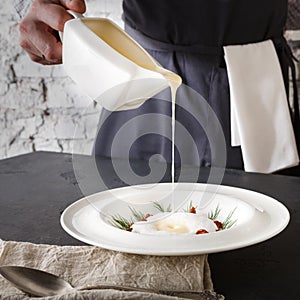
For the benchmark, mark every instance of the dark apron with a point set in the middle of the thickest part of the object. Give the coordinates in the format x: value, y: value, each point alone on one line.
x: 202, y: 67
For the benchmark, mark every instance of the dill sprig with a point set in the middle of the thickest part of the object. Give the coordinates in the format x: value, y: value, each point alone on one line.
x: 213, y: 215
x: 121, y: 222
x: 228, y: 223
x: 188, y: 208
x: 138, y: 215
x: 159, y: 207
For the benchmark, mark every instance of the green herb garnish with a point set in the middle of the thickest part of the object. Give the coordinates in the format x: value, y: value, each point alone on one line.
x: 228, y: 222
x: 138, y: 215
x: 189, y: 207
x: 159, y: 207
x: 121, y: 222
x: 213, y: 215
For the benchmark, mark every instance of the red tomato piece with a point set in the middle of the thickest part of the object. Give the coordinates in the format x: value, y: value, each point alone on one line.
x: 219, y: 225
x: 192, y: 210
x: 201, y: 231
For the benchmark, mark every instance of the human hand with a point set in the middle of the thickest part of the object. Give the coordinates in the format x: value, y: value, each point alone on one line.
x: 39, y: 29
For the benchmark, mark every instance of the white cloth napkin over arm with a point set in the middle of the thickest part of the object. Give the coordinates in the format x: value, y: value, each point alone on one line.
x: 260, y: 119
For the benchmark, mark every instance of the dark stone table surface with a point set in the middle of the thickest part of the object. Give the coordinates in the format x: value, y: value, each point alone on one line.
x: 35, y: 188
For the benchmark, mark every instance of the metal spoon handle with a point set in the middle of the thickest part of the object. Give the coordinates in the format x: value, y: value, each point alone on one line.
x: 187, y: 294
x: 117, y: 287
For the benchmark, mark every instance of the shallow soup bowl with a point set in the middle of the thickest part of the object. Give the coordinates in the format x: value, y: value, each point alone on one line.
x: 253, y: 218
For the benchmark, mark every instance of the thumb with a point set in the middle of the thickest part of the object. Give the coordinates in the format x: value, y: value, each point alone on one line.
x: 76, y: 5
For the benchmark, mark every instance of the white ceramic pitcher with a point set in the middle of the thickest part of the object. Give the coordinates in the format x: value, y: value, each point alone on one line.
x: 109, y: 66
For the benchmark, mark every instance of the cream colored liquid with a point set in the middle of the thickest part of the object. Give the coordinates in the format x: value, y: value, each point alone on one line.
x: 171, y: 227
x: 174, y: 85
x: 126, y: 46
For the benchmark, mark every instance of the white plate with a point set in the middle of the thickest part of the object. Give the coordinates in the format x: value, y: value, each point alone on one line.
x: 259, y: 217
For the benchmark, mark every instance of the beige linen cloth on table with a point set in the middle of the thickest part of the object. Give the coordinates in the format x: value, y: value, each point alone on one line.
x: 88, y: 265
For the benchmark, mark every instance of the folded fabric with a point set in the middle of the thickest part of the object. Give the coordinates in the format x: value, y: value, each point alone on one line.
x: 260, y: 119
x: 88, y: 265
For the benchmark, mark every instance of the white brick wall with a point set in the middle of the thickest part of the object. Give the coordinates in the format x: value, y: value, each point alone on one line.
x: 40, y: 107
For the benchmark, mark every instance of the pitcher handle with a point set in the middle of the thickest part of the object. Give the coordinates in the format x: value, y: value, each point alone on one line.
x: 76, y: 16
